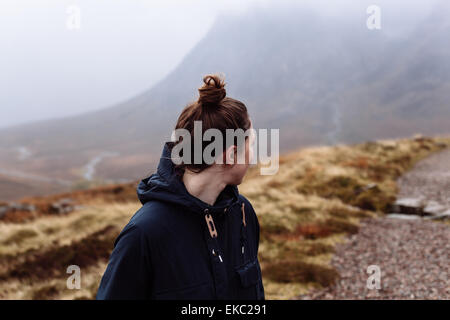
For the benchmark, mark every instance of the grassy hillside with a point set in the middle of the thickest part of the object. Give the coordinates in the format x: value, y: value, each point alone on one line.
x: 318, y: 197
x: 14, y: 187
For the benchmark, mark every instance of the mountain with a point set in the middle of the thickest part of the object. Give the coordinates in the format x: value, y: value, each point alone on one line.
x: 319, y: 79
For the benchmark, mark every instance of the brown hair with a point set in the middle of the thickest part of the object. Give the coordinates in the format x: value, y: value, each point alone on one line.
x: 215, y: 110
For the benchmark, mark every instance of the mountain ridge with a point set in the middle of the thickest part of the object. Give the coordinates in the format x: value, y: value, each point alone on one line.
x: 320, y: 80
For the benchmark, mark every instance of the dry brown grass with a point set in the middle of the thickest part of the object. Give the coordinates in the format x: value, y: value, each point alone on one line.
x: 52, y: 262
x: 34, y: 256
x: 317, y: 198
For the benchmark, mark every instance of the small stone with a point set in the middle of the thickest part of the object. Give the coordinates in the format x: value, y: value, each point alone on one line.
x: 402, y: 216
x: 434, y: 208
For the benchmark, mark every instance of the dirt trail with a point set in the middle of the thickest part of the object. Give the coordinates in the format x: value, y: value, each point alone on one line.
x: 413, y: 256
x: 430, y: 179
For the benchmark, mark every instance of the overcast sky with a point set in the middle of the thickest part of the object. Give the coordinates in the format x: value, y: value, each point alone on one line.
x: 122, y: 48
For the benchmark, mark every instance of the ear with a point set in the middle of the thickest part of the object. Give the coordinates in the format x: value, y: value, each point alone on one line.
x: 230, y: 155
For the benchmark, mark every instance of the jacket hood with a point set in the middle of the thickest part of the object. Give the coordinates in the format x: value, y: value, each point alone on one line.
x: 165, y: 185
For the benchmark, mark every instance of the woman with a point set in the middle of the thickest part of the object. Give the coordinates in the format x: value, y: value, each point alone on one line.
x: 195, y: 237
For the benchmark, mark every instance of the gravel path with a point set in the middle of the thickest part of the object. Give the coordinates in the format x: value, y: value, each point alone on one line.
x: 413, y: 256
x: 429, y: 179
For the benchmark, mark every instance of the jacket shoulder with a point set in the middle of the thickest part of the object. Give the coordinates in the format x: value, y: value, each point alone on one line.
x: 151, y: 217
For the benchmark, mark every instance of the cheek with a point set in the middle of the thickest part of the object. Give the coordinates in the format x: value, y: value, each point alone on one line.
x: 239, y: 171
x: 249, y: 155
x: 243, y: 170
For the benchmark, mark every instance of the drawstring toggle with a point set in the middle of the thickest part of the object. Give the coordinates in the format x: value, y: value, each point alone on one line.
x: 210, y: 224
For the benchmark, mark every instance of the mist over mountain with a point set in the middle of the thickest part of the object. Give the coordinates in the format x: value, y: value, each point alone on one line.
x: 319, y: 79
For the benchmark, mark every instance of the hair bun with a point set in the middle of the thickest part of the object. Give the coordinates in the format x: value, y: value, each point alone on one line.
x: 212, y: 91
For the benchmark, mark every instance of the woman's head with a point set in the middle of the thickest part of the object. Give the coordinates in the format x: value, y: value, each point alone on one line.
x: 217, y: 111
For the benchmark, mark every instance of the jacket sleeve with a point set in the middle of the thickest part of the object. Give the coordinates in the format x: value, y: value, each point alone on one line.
x: 261, y: 294
x: 260, y: 285
x: 127, y: 275
x: 255, y: 221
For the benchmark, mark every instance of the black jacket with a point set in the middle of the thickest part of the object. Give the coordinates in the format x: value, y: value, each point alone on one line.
x: 167, y: 251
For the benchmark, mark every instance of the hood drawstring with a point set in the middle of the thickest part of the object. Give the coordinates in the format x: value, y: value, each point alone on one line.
x: 219, y: 269
x: 243, y: 215
x: 212, y: 232
x: 243, y: 233
x: 210, y: 224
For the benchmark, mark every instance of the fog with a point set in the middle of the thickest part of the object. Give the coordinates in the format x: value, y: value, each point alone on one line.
x: 123, y: 47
